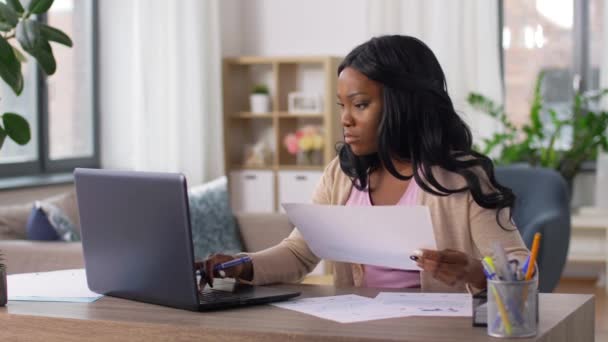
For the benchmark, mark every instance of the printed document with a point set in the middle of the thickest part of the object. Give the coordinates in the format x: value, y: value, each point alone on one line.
x: 376, y: 235
x: 57, y: 286
x: 343, y: 309
x: 429, y: 304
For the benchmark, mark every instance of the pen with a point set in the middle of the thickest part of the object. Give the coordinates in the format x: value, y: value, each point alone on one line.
x: 533, y: 256
x: 501, y: 262
x: 502, y: 310
x: 235, y: 262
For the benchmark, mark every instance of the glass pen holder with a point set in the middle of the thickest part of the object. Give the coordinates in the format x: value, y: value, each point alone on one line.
x: 512, y: 308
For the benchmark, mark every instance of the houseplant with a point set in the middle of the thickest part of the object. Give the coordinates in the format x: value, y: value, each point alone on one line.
x: 16, y: 22
x: 534, y: 143
x: 259, y: 99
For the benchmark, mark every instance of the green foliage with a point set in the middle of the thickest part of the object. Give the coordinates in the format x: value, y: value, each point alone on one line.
x: 34, y: 38
x: 534, y: 143
x: 260, y: 89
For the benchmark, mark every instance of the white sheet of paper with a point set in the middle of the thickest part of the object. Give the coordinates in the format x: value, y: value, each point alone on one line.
x: 429, y: 304
x: 343, y: 309
x: 376, y: 235
x: 56, y: 286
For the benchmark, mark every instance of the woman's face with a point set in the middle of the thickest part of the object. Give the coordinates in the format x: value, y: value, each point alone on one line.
x: 360, y: 100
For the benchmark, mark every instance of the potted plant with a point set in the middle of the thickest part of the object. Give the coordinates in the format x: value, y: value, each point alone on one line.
x: 534, y: 143
x: 33, y: 37
x: 3, y: 287
x: 259, y: 99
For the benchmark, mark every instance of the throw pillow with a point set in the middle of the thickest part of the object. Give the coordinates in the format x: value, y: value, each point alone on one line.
x: 38, y: 226
x: 62, y: 224
x: 48, y: 223
x: 214, y: 227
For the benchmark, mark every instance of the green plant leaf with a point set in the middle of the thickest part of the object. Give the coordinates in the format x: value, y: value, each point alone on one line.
x: 45, y: 58
x: 55, y: 35
x: 32, y: 41
x: 2, y: 136
x: 20, y: 56
x: 16, y: 128
x: 28, y: 35
x: 38, y: 6
x: 8, y: 17
x: 10, y: 68
x: 15, y: 5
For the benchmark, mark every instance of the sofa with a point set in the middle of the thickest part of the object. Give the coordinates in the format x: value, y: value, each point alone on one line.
x: 258, y: 231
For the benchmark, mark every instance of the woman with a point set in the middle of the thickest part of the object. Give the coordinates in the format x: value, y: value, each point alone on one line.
x: 404, y: 144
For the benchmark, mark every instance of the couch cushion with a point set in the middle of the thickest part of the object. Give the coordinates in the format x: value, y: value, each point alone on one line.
x: 38, y: 227
x: 38, y: 256
x: 60, y: 222
x: 13, y: 220
x: 213, y: 224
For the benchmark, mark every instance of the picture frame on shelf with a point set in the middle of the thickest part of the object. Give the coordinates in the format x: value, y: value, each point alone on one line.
x: 304, y: 103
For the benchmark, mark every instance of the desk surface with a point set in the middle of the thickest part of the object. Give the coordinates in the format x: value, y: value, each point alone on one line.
x: 563, y: 317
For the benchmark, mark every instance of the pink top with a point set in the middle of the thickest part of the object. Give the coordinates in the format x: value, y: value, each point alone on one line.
x: 384, y: 277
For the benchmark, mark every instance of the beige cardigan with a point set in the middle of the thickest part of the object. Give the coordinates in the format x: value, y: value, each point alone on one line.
x: 458, y: 223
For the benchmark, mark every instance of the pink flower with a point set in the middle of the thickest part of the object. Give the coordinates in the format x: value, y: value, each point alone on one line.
x: 291, y: 143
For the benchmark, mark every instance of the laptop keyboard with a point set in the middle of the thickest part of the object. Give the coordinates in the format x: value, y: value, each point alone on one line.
x: 212, y: 296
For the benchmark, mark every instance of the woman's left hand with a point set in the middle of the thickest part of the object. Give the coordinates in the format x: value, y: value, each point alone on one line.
x: 451, y: 267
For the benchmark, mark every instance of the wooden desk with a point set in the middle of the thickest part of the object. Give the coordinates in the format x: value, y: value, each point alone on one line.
x: 563, y: 317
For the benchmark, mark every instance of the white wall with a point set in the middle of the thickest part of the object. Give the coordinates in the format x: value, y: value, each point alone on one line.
x: 292, y: 27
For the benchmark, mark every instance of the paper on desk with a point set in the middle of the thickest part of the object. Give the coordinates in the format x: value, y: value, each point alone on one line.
x: 343, y: 309
x: 376, y: 235
x: 57, y: 286
x: 429, y: 304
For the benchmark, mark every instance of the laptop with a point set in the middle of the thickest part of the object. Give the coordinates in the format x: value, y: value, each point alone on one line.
x: 137, y: 243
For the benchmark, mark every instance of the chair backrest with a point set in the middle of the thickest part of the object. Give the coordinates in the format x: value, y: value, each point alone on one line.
x: 542, y: 205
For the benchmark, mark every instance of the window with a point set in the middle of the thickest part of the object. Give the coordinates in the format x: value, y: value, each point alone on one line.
x: 59, y: 108
x: 563, y: 39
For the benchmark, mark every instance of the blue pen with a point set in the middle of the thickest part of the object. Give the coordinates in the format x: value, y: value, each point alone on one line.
x: 235, y: 262
x: 232, y: 263
x: 524, y: 269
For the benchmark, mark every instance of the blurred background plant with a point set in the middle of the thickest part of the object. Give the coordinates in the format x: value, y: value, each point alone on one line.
x: 535, y: 143
x: 16, y: 22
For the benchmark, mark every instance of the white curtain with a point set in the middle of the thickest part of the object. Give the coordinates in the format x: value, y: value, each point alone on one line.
x: 463, y: 34
x: 160, y: 87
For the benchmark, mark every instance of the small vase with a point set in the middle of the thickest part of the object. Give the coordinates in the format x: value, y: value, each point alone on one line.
x: 3, y: 287
x: 309, y: 158
x: 259, y: 103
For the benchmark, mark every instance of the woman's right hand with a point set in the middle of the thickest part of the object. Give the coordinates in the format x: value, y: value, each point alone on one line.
x: 206, y: 267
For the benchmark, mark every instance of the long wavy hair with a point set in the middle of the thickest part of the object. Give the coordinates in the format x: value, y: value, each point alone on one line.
x: 418, y: 123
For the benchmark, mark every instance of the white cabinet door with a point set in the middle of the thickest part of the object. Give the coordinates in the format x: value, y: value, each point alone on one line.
x: 297, y: 186
x: 252, y: 191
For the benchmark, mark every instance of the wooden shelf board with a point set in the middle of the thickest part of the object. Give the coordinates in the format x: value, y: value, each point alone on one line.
x: 301, y: 167
x: 245, y: 60
x: 250, y: 115
x: 252, y: 167
x: 286, y: 115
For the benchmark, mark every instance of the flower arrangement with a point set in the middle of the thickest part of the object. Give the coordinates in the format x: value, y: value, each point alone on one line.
x: 306, y: 141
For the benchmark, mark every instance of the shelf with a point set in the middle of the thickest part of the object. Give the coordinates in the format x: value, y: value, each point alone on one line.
x: 248, y: 60
x: 250, y: 115
x: 286, y: 115
x: 301, y: 167
x: 249, y: 167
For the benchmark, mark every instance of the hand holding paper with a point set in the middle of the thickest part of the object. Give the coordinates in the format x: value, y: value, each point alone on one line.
x: 379, y: 235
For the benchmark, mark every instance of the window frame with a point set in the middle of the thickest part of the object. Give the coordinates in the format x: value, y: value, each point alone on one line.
x: 44, y: 165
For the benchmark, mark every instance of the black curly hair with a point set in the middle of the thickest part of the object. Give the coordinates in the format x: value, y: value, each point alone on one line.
x: 418, y: 123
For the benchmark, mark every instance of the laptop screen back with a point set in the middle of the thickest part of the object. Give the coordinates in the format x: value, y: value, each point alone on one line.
x: 136, y: 236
